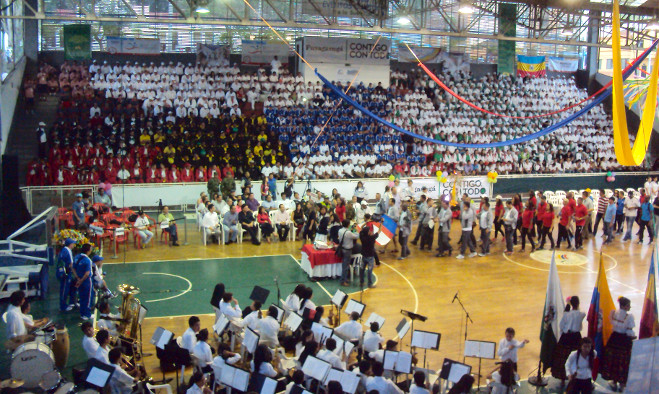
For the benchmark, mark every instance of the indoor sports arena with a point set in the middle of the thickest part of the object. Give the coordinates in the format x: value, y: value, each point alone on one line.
x: 314, y: 196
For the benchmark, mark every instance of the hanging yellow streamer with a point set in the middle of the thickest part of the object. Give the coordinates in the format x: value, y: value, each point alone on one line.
x: 626, y: 155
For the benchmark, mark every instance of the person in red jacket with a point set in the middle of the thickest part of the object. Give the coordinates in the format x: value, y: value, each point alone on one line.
x: 212, y: 172
x: 152, y: 175
x: 227, y: 170
x: 136, y: 174
x: 547, y: 219
x: 527, y: 225
x: 173, y: 175
x: 542, y: 207
x: 110, y: 173
x: 94, y: 177
x: 200, y: 174
x: 187, y: 173
x: 563, y: 223
x: 580, y: 214
x: 32, y: 173
x: 59, y: 177
x: 163, y: 173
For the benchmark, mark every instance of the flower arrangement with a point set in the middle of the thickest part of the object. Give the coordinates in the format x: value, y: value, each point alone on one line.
x: 80, y: 238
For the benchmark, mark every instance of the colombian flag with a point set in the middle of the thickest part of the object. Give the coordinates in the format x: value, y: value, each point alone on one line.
x: 649, y: 323
x: 601, y: 306
x: 531, y: 66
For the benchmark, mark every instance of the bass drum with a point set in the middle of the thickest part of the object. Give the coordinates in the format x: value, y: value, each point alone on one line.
x: 30, y: 362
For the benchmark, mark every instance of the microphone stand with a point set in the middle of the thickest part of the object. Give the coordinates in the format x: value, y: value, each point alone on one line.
x: 467, y: 319
x: 278, y: 292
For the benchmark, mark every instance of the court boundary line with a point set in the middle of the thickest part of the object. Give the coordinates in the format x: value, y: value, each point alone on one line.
x: 175, y: 276
x: 198, y: 259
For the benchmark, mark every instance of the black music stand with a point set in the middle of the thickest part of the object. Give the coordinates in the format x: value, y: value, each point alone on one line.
x: 413, y: 316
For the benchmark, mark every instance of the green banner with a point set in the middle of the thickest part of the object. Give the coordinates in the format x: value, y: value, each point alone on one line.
x: 77, y: 42
x: 507, y: 28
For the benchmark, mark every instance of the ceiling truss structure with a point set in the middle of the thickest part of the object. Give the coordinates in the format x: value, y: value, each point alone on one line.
x: 537, y: 21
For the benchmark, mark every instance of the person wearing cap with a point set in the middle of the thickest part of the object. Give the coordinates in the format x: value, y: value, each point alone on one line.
x: 82, y: 270
x: 78, y: 209
x: 98, y: 277
x: 142, y: 225
x: 64, y: 273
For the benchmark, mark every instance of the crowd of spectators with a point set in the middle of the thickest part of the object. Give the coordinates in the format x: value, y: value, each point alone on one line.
x: 182, y: 123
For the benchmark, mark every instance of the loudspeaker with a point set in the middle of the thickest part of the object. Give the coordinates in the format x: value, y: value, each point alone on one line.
x: 9, y: 172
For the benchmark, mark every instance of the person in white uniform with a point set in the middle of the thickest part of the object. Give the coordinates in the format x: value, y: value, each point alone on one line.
x: 350, y: 330
x: 189, y: 337
x: 269, y: 328
x: 202, y: 351
x: 89, y: 344
x: 121, y: 382
x: 16, y: 329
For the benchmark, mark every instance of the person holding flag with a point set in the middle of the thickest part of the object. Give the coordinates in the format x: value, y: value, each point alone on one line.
x: 551, y: 316
x: 601, y: 305
x: 618, y: 350
x: 649, y: 326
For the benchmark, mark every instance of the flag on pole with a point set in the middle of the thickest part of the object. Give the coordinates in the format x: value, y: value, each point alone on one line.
x: 649, y: 322
x: 601, y: 306
x: 551, y: 316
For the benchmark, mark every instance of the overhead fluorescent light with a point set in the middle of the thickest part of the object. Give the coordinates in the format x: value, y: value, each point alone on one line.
x: 654, y: 25
x: 568, y: 31
x: 202, y: 10
x: 466, y: 8
x: 403, y: 20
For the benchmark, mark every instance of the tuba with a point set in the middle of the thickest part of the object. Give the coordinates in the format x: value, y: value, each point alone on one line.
x: 130, y: 310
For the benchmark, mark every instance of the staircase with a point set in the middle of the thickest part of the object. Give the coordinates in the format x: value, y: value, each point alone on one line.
x: 22, y: 139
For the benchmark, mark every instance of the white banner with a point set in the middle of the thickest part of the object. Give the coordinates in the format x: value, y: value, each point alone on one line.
x: 133, y: 46
x: 213, y: 55
x: 427, y: 55
x: 474, y: 186
x: 562, y: 65
x: 362, y: 51
x: 260, y: 52
x: 324, y: 50
x: 352, y: 8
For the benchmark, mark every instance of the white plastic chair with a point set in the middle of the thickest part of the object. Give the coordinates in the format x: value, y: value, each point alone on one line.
x: 355, y: 263
x: 154, y: 387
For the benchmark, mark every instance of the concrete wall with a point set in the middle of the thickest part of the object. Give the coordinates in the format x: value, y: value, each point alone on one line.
x: 9, y: 91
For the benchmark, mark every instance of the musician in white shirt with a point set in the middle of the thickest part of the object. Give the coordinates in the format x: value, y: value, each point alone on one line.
x: 508, y: 347
x: 380, y: 384
x: 579, y: 367
x: 269, y: 328
x: 121, y: 382
x: 30, y: 323
x: 103, y: 339
x: 227, y: 307
x: 106, y: 320
x: 142, y: 224
x: 372, y: 339
x: 198, y: 384
x: 89, y: 344
x: 225, y: 356
x: 293, y: 300
x: 350, y: 330
x: 202, y: 351
x: 14, y: 317
x: 328, y: 354
x: 419, y: 386
x: 189, y: 337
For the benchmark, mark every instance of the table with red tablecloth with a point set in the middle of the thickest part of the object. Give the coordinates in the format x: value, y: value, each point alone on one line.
x: 320, y: 263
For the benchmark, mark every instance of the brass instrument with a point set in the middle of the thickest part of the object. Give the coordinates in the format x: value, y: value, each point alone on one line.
x: 130, y: 310
x: 333, y: 318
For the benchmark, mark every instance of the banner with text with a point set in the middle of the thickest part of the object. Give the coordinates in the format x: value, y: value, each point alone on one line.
x: 346, y: 50
x: 474, y: 186
x: 364, y: 51
x: 77, y: 42
x: 324, y: 50
x: 261, y: 52
x: 427, y: 55
x: 349, y: 8
x: 562, y: 65
x: 133, y: 46
x: 213, y: 55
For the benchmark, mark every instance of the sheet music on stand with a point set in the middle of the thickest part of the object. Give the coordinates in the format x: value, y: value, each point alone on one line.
x: 280, y: 313
x: 454, y: 370
x: 221, y: 324
x: 266, y: 384
x: 348, y: 379
x: 425, y: 339
x: 397, y: 361
x: 234, y: 377
x: 339, y: 299
x: 316, y: 368
x: 161, y: 338
x: 342, y: 345
x: 354, y: 306
x: 480, y: 349
x: 293, y: 321
x: 375, y: 318
x: 251, y: 340
x: 402, y: 328
x: 321, y: 333
x: 98, y: 373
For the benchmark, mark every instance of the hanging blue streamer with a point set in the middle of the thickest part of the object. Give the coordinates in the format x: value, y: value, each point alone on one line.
x: 514, y: 141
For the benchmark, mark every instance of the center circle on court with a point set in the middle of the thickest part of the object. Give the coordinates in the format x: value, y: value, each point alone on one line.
x: 562, y: 257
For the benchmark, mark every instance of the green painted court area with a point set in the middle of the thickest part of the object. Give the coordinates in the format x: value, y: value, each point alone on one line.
x: 184, y: 287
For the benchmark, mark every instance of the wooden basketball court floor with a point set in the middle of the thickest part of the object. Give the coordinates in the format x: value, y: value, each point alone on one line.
x: 498, y: 291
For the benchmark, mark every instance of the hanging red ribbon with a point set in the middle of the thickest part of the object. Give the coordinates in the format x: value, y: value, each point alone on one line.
x: 474, y: 106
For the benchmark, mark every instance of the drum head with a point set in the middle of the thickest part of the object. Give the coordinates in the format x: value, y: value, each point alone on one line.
x: 30, y: 361
x: 65, y: 388
x: 50, y: 380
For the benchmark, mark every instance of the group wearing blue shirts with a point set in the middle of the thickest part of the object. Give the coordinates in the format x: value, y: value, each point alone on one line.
x: 83, y: 270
